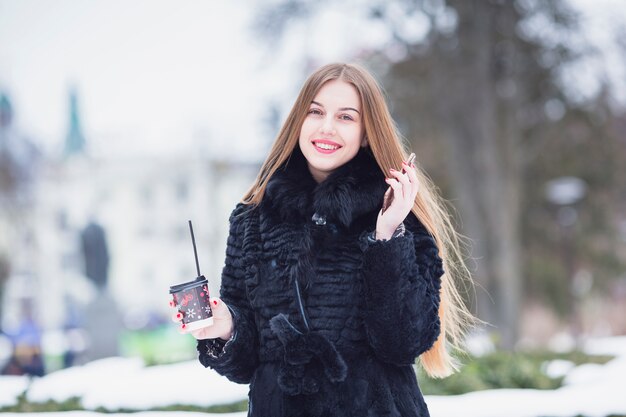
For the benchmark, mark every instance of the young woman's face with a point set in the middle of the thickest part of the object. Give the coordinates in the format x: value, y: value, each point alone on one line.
x: 332, y: 131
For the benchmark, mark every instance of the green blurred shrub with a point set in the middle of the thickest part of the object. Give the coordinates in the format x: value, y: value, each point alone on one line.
x: 503, y: 370
x: 74, y: 404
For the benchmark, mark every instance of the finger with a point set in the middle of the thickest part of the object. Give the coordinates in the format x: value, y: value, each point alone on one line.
x: 404, y: 180
x: 219, y: 308
x: 412, y: 173
x: 397, y: 187
x: 182, y: 329
x: 177, y: 317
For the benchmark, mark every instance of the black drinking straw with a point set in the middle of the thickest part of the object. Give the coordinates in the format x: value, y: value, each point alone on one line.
x: 195, y: 252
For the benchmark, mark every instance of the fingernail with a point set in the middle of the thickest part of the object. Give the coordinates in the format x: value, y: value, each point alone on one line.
x: 183, y: 326
x: 392, y: 170
x: 215, y: 302
x: 178, y: 315
x: 172, y: 304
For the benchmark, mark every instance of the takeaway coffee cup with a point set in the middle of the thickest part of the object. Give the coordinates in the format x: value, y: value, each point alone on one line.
x: 192, y: 298
x: 192, y: 301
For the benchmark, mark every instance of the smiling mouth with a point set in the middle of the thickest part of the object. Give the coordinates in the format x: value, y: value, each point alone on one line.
x: 326, y: 146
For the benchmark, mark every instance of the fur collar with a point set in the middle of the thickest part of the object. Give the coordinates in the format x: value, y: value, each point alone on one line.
x: 352, y: 190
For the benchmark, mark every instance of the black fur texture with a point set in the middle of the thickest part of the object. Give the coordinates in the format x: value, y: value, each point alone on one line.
x: 327, y: 323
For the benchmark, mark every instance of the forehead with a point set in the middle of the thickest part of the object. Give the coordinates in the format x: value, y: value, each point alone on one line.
x: 338, y: 93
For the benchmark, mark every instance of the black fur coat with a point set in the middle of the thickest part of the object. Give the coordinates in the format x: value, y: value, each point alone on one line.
x: 327, y: 323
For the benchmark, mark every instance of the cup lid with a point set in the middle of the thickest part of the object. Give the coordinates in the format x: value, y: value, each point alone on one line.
x: 199, y: 281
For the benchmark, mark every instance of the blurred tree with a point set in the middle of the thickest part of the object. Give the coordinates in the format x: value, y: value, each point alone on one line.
x: 588, y: 142
x: 479, y: 89
x: 483, y: 91
x: 4, y: 276
x: 493, y: 94
x: 18, y: 159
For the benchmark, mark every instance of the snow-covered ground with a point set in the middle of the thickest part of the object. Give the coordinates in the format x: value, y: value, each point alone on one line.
x: 140, y: 414
x: 122, y: 383
x: 11, y: 387
x: 589, y: 390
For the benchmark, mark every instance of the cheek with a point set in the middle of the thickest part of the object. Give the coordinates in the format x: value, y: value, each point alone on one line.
x: 351, y: 133
x: 308, y: 127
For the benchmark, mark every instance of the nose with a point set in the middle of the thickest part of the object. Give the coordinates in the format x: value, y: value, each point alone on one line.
x: 327, y: 127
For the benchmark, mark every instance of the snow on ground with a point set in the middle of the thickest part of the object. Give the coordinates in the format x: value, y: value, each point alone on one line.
x: 589, y: 400
x: 140, y: 414
x: 615, y: 346
x: 10, y: 388
x: 590, y: 390
x: 115, y: 383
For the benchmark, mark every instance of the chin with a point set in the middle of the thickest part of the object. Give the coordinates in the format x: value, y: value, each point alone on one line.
x: 326, y: 168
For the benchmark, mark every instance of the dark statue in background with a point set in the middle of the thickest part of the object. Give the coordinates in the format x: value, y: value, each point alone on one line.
x: 95, y: 254
x: 103, y: 321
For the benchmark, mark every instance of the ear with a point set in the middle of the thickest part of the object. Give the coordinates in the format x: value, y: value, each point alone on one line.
x: 364, y: 142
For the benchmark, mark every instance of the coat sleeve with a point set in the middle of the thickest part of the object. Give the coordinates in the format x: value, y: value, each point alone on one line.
x: 239, y: 358
x: 402, y: 280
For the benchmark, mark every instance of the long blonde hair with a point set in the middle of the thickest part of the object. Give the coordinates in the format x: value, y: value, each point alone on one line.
x: 386, y: 145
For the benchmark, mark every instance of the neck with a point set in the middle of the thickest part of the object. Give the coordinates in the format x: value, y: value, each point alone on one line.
x: 318, y: 176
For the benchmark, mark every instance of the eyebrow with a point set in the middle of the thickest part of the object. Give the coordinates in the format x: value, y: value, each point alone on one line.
x: 342, y: 108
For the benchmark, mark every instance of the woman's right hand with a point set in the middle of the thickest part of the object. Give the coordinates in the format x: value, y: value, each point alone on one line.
x: 222, y: 326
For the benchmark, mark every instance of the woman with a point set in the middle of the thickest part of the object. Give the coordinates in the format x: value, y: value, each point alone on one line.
x: 326, y: 300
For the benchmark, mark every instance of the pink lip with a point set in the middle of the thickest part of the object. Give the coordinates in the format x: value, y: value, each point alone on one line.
x: 328, y: 142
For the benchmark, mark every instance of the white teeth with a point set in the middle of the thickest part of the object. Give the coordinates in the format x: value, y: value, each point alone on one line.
x: 325, y: 146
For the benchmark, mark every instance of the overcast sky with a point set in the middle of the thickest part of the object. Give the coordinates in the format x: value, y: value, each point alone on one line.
x: 161, y: 76
x: 152, y: 73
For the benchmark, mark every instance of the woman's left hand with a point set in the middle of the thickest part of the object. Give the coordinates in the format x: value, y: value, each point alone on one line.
x: 405, y: 188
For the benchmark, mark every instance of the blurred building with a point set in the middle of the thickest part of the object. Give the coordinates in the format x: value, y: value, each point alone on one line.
x: 19, y: 162
x: 143, y: 205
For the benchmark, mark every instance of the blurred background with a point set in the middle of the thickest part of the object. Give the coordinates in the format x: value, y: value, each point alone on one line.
x: 120, y: 121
